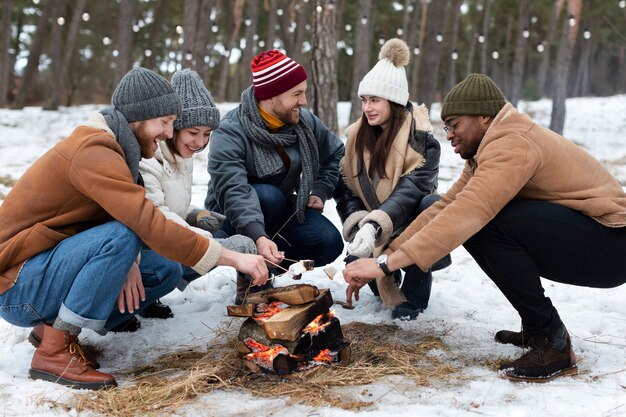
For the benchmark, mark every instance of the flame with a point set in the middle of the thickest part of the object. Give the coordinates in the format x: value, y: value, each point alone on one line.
x: 325, y: 356
x: 263, y: 355
x: 319, y: 323
x: 272, y: 309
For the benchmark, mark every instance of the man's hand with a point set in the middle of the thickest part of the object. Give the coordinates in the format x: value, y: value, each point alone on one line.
x: 315, y: 203
x: 357, y: 274
x: 268, y: 249
x: 133, y: 292
x: 364, y: 241
x: 253, y: 265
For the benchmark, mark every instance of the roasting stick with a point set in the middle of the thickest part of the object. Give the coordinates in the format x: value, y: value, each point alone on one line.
x: 245, y: 296
x: 276, y: 265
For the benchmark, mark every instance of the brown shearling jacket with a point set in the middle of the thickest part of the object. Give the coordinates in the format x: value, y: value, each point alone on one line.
x: 83, y: 181
x: 516, y: 159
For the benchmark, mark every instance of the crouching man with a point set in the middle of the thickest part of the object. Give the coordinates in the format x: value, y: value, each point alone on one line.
x: 72, y: 227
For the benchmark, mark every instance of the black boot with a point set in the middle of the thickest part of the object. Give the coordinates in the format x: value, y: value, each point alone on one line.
x: 128, y: 326
x: 416, y: 288
x: 157, y: 310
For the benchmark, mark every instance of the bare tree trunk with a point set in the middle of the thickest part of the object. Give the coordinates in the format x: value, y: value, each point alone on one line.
x: 470, y: 55
x: 5, y: 59
x: 149, y: 60
x: 520, y: 53
x: 191, y: 13
x: 542, y: 76
x: 271, y: 6
x: 249, y: 52
x: 432, y: 52
x: 563, y: 62
x: 70, y: 45
x: 124, y: 38
x: 324, y: 65
x: 202, y: 38
x: 483, y: 49
x: 225, y: 64
x: 453, y: 42
x: 56, y: 77
x: 34, y: 53
x: 303, y: 18
x: 581, y: 86
x: 505, y: 82
x: 420, y: 48
x: 363, y: 34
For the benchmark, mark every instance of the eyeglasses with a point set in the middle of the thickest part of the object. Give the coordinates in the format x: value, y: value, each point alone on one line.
x: 447, y: 127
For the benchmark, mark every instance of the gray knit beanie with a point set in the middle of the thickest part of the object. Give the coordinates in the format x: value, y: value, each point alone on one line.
x: 198, y: 106
x: 143, y: 95
x: 476, y: 95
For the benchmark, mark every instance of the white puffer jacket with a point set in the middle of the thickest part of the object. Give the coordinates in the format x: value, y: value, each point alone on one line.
x: 168, y: 179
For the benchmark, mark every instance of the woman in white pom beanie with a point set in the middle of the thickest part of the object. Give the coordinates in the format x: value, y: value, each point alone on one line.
x: 390, y: 172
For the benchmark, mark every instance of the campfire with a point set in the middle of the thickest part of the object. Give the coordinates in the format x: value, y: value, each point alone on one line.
x: 290, y: 329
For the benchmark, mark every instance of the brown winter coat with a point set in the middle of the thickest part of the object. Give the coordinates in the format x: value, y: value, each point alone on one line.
x: 516, y: 159
x: 83, y: 181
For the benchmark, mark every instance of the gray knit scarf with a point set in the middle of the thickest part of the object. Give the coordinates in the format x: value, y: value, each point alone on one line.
x: 126, y: 139
x: 264, y: 143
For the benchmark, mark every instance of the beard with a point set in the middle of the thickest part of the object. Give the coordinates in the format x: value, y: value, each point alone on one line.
x: 145, y: 139
x: 286, y: 115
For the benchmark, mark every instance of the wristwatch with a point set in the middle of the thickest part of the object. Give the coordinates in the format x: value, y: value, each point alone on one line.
x: 381, y: 261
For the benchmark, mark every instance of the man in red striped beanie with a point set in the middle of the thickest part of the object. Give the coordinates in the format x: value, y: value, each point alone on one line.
x: 273, y: 163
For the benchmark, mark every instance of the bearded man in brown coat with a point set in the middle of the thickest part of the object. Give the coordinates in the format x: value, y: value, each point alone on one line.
x: 528, y: 204
x: 72, y: 227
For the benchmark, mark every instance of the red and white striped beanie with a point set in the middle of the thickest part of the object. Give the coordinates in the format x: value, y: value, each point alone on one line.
x: 273, y: 73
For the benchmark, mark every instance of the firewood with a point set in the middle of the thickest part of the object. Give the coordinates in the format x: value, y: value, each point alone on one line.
x: 292, y: 295
x: 288, y: 324
x: 243, y: 310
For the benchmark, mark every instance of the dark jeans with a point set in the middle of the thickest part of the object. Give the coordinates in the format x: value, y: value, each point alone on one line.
x: 532, y: 239
x: 316, y: 238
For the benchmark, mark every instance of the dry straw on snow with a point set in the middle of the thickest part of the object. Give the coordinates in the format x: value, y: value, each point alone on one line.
x: 378, y: 351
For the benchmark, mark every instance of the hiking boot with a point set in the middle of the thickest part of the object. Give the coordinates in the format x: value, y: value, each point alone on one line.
x: 129, y: 326
x: 547, y: 358
x: 508, y: 337
x: 35, y: 339
x: 59, y: 358
x: 157, y: 310
x: 405, y: 312
x: 244, y: 287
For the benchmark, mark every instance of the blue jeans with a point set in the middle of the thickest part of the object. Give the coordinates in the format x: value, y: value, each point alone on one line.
x: 317, y: 238
x: 79, y: 280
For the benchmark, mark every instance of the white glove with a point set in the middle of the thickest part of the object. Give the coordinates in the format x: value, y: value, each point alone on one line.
x: 363, y: 244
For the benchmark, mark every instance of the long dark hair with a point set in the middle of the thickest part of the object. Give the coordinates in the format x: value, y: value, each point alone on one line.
x: 378, y: 141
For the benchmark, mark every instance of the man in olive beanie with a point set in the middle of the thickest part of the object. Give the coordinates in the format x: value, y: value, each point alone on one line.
x: 528, y: 204
x: 73, y: 227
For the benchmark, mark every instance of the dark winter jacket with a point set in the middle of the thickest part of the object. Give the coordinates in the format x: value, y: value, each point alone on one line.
x: 232, y: 171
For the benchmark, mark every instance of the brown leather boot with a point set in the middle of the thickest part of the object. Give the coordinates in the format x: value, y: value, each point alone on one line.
x: 59, y: 358
x: 35, y: 339
x: 508, y: 337
x: 547, y: 358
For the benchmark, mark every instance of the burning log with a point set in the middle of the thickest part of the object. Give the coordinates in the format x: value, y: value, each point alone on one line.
x: 292, y: 294
x: 243, y: 310
x: 288, y: 324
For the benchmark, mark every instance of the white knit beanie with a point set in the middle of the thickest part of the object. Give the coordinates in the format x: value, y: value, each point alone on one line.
x: 388, y: 78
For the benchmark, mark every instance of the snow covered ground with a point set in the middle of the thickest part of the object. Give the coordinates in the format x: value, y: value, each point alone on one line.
x: 465, y: 309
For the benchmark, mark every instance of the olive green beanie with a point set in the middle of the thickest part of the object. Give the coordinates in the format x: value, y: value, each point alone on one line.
x: 476, y: 95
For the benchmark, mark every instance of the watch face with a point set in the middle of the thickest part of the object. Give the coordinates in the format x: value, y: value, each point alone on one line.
x: 382, y: 259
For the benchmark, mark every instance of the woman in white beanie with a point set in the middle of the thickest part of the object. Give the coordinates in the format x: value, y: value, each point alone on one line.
x: 168, y: 176
x: 390, y: 172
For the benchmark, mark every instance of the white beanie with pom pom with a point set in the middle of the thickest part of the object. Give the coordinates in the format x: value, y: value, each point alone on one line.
x: 388, y: 77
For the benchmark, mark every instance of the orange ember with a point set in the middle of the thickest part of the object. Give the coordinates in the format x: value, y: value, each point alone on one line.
x: 271, y: 310
x: 319, y: 323
x: 325, y: 356
x: 263, y: 355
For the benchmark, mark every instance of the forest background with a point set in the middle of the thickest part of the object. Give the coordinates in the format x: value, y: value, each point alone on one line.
x: 68, y: 52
